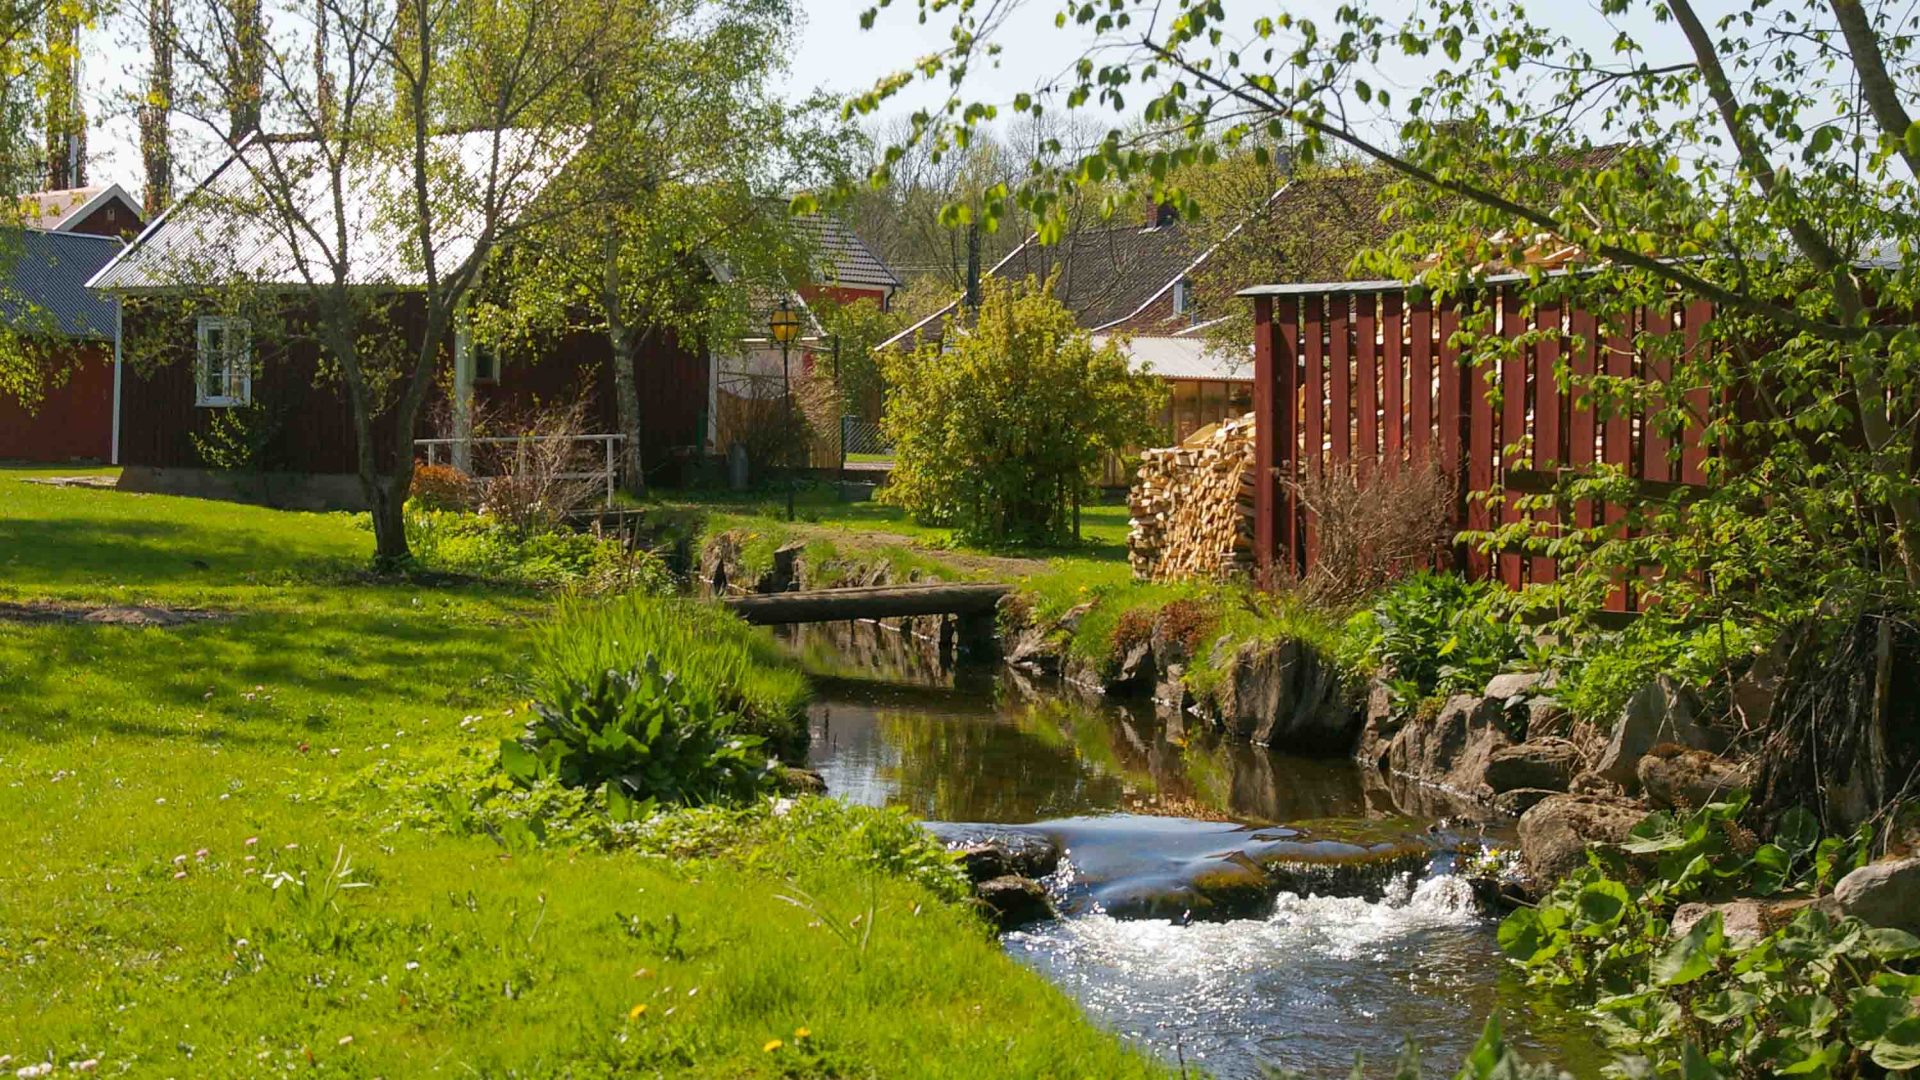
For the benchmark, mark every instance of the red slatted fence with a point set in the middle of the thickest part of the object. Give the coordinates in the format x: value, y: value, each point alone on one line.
x: 1362, y: 375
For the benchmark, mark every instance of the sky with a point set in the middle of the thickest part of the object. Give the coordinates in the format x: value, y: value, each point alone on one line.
x: 831, y: 52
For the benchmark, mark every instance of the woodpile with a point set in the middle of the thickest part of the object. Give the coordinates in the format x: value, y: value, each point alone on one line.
x: 1192, y: 506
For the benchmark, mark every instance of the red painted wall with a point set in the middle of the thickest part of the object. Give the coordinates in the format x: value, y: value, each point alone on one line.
x: 73, y: 422
x: 111, y: 218
x: 315, y: 426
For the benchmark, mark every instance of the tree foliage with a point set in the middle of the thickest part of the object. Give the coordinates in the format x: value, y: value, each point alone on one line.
x: 1763, y: 161
x: 1001, y: 434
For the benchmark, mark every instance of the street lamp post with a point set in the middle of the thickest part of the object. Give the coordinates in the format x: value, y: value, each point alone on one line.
x: 784, y: 326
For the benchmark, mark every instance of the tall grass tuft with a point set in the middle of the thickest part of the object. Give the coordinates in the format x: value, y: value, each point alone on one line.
x: 714, y: 654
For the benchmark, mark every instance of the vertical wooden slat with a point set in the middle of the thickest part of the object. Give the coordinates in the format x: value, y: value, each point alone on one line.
x: 1268, y: 356
x: 1287, y: 360
x: 1393, y: 330
x: 1656, y: 369
x: 1340, y: 364
x: 1420, y: 385
x: 1693, y: 452
x: 1581, y: 427
x: 1509, y: 444
x: 1617, y: 447
x: 1483, y: 433
x: 1548, y: 447
x: 1453, y: 420
x: 1366, y: 381
x: 1313, y: 327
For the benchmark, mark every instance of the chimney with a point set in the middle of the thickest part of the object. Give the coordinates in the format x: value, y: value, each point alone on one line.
x: 1160, y: 214
x: 973, y: 267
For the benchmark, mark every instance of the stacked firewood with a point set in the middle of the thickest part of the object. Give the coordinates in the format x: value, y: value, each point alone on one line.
x: 1193, y: 506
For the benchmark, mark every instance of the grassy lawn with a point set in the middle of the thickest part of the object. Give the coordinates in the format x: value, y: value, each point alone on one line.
x: 160, y: 781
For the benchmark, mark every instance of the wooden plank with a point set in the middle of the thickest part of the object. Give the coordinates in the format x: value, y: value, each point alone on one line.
x: 1548, y: 447
x: 1581, y: 429
x: 1657, y: 369
x: 1393, y: 323
x: 1617, y: 446
x: 1420, y: 389
x: 1287, y: 445
x: 1483, y: 435
x: 877, y: 602
x: 1266, y: 433
x: 1314, y: 457
x: 1693, y: 452
x: 1453, y: 392
x: 1366, y: 383
x: 1510, y: 443
x: 1340, y: 366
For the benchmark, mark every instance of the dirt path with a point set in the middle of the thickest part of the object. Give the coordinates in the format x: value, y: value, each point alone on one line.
x: 1005, y: 566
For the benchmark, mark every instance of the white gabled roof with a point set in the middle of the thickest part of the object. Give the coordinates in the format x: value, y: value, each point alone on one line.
x: 61, y: 210
x: 229, y: 230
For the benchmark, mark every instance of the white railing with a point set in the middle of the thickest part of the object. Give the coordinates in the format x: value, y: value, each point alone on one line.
x: 608, y: 473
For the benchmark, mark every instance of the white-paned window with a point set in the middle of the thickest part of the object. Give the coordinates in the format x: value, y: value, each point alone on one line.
x: 486, y: 364
x: 223, y: 364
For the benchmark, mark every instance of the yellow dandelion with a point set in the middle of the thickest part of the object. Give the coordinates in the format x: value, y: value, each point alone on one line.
x: 802, y: 1033
x: 772, y: 1045
x: 637, y: 1011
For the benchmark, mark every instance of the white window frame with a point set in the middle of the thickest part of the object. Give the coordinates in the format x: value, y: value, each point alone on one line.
x: 1182, y: 297
x: 489, y: 355
x: 236, y: 361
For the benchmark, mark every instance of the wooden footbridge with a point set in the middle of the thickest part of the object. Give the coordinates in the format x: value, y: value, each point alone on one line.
x: 972, y: 605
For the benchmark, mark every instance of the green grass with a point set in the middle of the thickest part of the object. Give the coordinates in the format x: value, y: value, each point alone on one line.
x: 158, y: 778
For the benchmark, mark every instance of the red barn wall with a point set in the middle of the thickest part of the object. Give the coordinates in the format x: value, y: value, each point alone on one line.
x: 112, y: 218
x: 73, y: 422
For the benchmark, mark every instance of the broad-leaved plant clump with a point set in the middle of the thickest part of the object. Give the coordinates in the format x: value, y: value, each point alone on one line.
x: 645, y: 737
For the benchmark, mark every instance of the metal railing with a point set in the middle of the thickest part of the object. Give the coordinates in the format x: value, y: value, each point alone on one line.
x: 862, y: 442
x: 609, y: 454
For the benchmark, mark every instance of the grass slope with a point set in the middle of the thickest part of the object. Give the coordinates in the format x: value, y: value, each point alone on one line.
x: 158, y: 780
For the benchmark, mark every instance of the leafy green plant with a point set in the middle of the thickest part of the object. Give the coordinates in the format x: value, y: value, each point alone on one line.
x: 1438, y: 634
x: 1604, y: 670
x: 712, y: 652
x: 644, y: 736
x: 481, y: 545
x: 1816, y: 996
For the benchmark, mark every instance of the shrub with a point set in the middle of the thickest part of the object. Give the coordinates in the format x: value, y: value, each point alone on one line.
x: 534, y: 484
x: 483, y: 546
x: 443, y: 487
x: 645, y: 736
x: 1373, y: 526
x: 1605, y: 670
x: 1001, y: 433
x: 1438, y: 634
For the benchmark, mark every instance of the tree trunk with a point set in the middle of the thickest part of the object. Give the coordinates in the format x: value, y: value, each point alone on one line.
x: 626, y: 393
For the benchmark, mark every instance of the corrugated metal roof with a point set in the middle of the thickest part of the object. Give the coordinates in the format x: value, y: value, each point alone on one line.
x: 228, y: 229
x: 1182, y: 358
x: 60, y: 210
x: 845, y: 258
x: 43, y: 283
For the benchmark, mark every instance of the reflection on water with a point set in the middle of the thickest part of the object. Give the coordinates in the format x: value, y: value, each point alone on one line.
x: 1306, y: 987
x: 981, y: 745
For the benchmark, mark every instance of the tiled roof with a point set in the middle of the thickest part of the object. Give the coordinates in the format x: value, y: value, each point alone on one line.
x: 845, y: 258
x: 43, y: 283
x: 227, y: 230
x: 1104, y: 274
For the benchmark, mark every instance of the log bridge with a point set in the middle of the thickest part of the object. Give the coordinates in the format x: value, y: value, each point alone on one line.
x: 972, y: 605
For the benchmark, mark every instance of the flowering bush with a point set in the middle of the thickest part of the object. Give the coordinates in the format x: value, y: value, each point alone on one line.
x: 443, y: 487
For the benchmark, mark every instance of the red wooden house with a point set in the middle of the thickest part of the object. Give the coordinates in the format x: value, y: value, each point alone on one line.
x: 197, y: 364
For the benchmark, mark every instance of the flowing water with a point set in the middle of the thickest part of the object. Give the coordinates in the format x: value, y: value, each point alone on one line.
x: 1144, y: 803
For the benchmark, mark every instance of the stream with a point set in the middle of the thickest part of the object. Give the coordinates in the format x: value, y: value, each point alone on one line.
x: 1144, y: 806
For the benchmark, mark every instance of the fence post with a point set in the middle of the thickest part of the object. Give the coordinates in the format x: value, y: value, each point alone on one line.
x: 1266, y: 435
x: 609, y: 447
